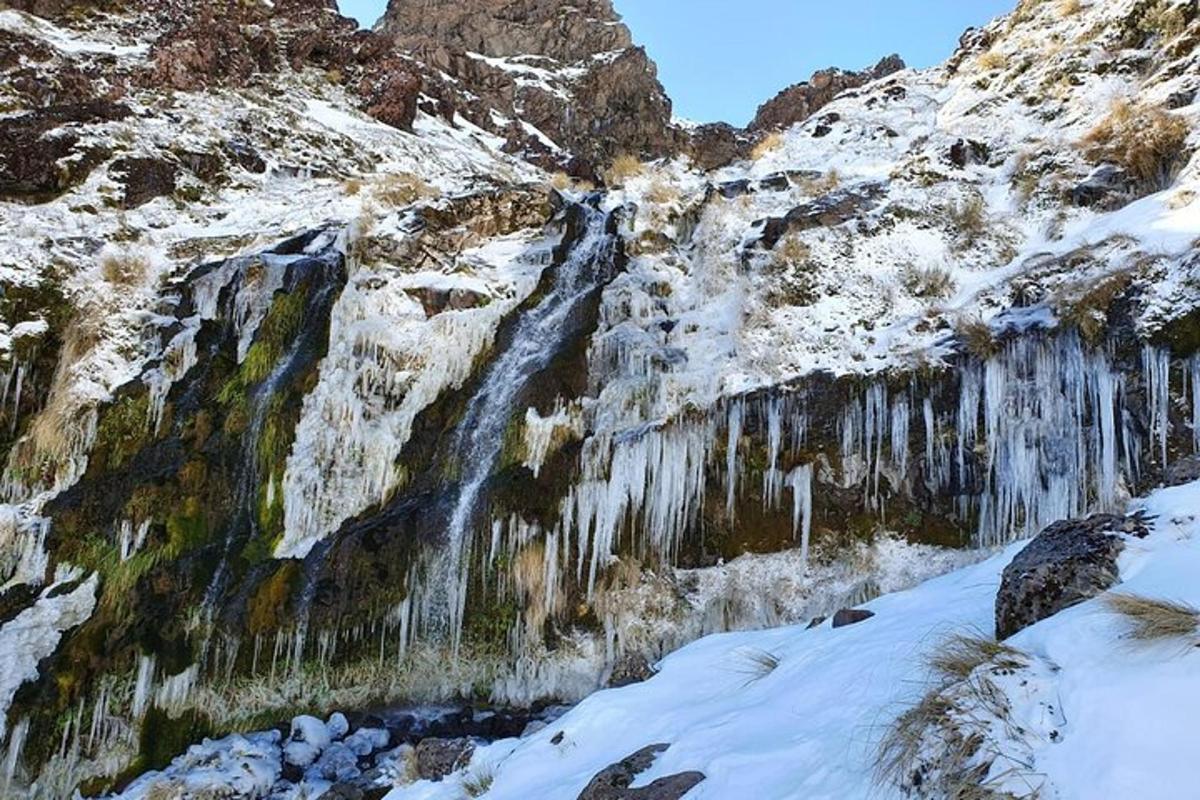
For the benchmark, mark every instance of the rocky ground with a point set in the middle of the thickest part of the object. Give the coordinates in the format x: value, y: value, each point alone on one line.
x: 259, y: 266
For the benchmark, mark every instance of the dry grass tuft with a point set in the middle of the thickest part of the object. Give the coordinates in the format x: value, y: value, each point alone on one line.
x: 900, y: 749
x: 478, y: 782
x: 1153, y: 620
x: 401, y: 189
x: 927, y: 283
x: 969, y: 218
x: 991, y: 60
x: 1164, y: 19
x: 623, y: 168
x: 124, y: 269
x: 960, y: 655
x: 1147, y: 141
x: 1087, y: 311
x: 791, y: 251
x: 560, y: 181
x: 766, y: 145
x: 757, y: 664
x: 662, y: 193
x: 352, y: 186
x: 976, y: 336
x: 1069, y: 8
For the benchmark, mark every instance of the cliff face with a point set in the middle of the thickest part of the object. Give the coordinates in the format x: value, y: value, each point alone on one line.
x: 800, y: 101
x: 563, y: 84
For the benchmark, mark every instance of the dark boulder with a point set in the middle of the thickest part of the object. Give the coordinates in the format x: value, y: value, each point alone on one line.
x: 613, y: 782
x: 837, y: 207
x: 1185, y: 470
x: 1067, y: 563
x: 1105, y: 189
x: 144, y: 179
x: 390, y: 90
x: 41, y: 154
x: 437, y: 758
x: 630, y: 669
x: 205, y: 52
x: 851, y: 616
x: 968, y: 151
x: 799, y: 102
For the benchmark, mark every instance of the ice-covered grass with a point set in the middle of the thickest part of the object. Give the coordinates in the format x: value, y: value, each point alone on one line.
x: 1093, y: 718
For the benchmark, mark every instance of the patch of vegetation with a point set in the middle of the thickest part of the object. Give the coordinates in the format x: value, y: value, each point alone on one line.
x: 991, y: 60
x: 1151, y: 620
x: 968, y: 218
x: 756, y: 664
x: 927, y: 283
x: 977, y: 337
x: 1147, y: 141
x: 623, y: 167
x: 1088, y: 312
x: 766, y: 145
x: 398, y: 189
x: 124, y: 269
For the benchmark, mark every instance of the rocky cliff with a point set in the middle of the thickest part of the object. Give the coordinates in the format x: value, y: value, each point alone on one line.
x: 326, y: 388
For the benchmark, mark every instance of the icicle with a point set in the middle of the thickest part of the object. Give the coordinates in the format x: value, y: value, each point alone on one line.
x: 731, y: 456
x: 1156, y: 368
x: 1194, y: 368
x: 800, y: 479
x: 900, y: 436
x: 143, y: 686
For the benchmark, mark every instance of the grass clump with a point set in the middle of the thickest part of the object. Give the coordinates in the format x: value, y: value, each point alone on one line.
x: 1154, y: 620
x: 977, y: 337
x: 766, y: 145
x: 1069, y: 8
x: 623, y: 167
x: 992, y: 60
x: 1147, y: 141
x: 478, y: 782
x: 791, y: 251
x: 969, y: 218
x: 961, y: 654
x: 757, y: 664
x: 124, y: 269
x: 401, y: 189
x: 1088, y: 311
x: 927, y: 283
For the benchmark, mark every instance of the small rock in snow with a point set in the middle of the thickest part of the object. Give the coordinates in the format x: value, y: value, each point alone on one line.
x: 851, y: 616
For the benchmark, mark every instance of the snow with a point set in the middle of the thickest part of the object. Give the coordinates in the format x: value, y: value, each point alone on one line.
x: 808, y: 729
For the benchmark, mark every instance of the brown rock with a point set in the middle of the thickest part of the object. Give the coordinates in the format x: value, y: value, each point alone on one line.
x: 800, y: 101
x: 40, y: 152
x: 437, y: 758
x: 390, y: 90
x: 851, y: 616
x: 144, y: 179
x: 613, y: 782
x: 207, y: 52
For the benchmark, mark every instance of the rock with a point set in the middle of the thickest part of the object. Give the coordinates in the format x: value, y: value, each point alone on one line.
x: 144, y: 179
x: 365, y: 741
x: 815, y: 622
x: 630, y: 668
x: 732, y: 189
x: 851, y: 616
x: 337, y: 763
x: 308, y: 738
x: 39, y: 160
x: 775, y: 182
x: 613, y: 782
x: 390, y: 90
x: 715, y: 145
x: 245, y: 156
x: 837, y: 207
x: 206, y: 51
x: 1105, y: 188
x: 337, y: 726
x: 799, y: 102
x: 1185, y: 470
x: 967, y: 151
x: 1065, y: 564
x: 437, y: 758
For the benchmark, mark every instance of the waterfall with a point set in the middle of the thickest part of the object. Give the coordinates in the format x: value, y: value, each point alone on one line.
x: 537, y: 335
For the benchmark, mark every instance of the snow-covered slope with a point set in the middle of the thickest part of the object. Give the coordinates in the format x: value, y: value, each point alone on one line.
x: 1092, y: 714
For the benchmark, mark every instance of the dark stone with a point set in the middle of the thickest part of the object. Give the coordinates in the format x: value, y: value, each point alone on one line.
x: 390, y: 91
x: 245, y: 156
x: 775, y: 182
x: 1181, y: 99
x: 833, y: 209
x: 968, y: 151
x: 814, y: 622
x: 732, y: 189
x: 851, y: 616
x: 715, y: 145
x: 437, y: 758
x: 1106, y: 189
x: 1069, y: 562
x: 613, y: 782
x: 40, y: 160
x: 1185, y: 470
x: 144, y: 179
x: 630, y: 669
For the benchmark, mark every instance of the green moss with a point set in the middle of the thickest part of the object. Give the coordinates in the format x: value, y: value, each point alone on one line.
x: 163, y: 737
x: 124, y: 429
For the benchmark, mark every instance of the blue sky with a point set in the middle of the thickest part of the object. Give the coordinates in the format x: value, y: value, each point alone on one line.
x: 719, y: 59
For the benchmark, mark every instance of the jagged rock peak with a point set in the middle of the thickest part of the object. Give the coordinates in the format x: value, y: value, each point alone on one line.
x: 566, y: 32
x: 800, y: 101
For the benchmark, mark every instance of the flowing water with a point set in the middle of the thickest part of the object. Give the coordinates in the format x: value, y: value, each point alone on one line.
x: 538, y: 334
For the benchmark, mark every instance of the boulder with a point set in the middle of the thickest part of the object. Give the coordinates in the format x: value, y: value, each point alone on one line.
x: 630, y: 668
x: 42, y: 154
x: 851, y: 616
x: 144, y: 179
x: 613, y: 782
x: 1185, y: 470
x: 1106, y: 188
x: 1067, y: 563
x: 437, y: 758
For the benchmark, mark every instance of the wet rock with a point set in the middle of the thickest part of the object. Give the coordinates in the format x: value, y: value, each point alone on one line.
x: 630, y: 669
x: 613, y: 782
x: 144, y: 179
x: 1067, y: 563
x: 775, y: 182
x: 308, y: 738
x: 436, y: 300
x: 1185, y: 470
x: 851, y: 616
x: 437, y: 758
x: 800, y: 101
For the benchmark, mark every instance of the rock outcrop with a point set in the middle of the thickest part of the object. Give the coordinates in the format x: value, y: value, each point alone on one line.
x: 563, y: 84
x: 613, y: 782
x: 800, y: 101
x: 1069, y: 562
